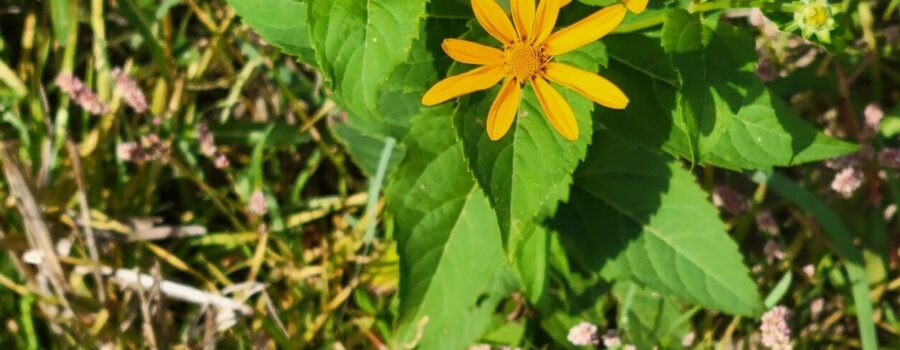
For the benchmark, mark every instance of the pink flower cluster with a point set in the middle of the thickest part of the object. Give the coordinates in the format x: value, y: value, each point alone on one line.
x: 130, y: 91
x: 209, y: 148
x: 776, y: 334
x: 81, y: 94
x: 151, y: 147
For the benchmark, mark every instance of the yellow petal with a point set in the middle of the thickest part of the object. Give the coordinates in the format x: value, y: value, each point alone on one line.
x: 544, y: 20
x: 474, y: 80
x: 585, y: 31
x: 588, y: 84
x: 555, y: 107
x: 523, y: 16
x: 636, y: 6
x: 472, y: 53
x: 493, y: 19
x: 563, y: 3
x: 503, y: 110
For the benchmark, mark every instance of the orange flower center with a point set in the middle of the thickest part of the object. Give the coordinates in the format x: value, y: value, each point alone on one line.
x: 523, y: 61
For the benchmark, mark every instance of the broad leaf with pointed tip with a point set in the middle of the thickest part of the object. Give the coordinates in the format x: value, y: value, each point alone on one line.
x: 638, y: 215
x: 452, y: 266
x: 707, y: 93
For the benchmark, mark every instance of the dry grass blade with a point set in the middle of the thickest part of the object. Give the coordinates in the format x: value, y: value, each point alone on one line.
x: 85, y: 211
x: 36, y: 229
x: 144, y: 229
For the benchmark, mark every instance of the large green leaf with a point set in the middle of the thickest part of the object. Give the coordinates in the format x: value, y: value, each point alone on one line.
x: 451, y: 260
x: 708, y: 92
x: 528, y: 171
x: 360, y: 43
x: 638, y: 215
x: 283, y: 23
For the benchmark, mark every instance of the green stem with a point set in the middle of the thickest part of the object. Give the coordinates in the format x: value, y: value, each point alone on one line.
x: 660, y: 17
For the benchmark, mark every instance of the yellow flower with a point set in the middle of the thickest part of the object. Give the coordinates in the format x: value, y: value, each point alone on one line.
x: 636, y: 6
x: 529, y: 46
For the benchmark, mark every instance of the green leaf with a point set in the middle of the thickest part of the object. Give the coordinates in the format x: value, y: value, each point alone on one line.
x: 451, y: 259
x: 527, y: 172
x: 682, y: 32
x: 283, y: 23
x: 741, y: 124
x: 650, y: 319
x: 532, y: 263
x: 780, y: 290
x: 365, y: 148
x: 638, y: 215
x: 360, y: 43
x: 63, y: 14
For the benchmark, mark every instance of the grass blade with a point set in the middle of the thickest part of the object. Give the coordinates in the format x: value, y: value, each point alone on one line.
x: 842, y: 241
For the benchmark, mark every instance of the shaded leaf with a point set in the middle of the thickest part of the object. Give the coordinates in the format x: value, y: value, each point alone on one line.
x: 638, y: 215
x: 741, y: 124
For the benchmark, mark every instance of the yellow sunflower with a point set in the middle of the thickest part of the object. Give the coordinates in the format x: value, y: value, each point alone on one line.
x: 529, y: 46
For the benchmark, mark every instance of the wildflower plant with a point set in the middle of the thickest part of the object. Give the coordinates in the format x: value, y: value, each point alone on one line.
x: 452, y: 174
x: 524, y: 122
x: 815, y: 17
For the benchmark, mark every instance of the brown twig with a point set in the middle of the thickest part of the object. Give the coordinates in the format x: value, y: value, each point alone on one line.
x: 85, y: 211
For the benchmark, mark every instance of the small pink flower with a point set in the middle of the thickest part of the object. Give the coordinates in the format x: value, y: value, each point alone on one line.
x: 129, y: 152
x: 130, y: 91
x: 773, y: 251
x: 816, y: 307
x: 776, y: 334
x: 890, y: 158
x: 81, y: 94
x: 221, y: 161
x: 873, y: 114
x: 582, y: 334
x: 258, y: 203
x: 688, y: 340
x: 726, y: 198
x: 207, y: 140
x: 847, y: 181
x: 766, y: 223
x: 611, y: 338
x: 809, y: 270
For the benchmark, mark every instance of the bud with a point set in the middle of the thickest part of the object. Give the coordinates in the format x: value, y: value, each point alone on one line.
x: 816, y: 307
x: 726, y: 198
x: 773, y: 251
x: 766, y: 223
x: 258, y: 203
x: 814, y: 17
x: 889, y: 158
x: 688, y: 340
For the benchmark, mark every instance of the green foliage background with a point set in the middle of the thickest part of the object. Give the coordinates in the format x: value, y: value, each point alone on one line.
x: 632, y: 212
x: 510, y: 242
